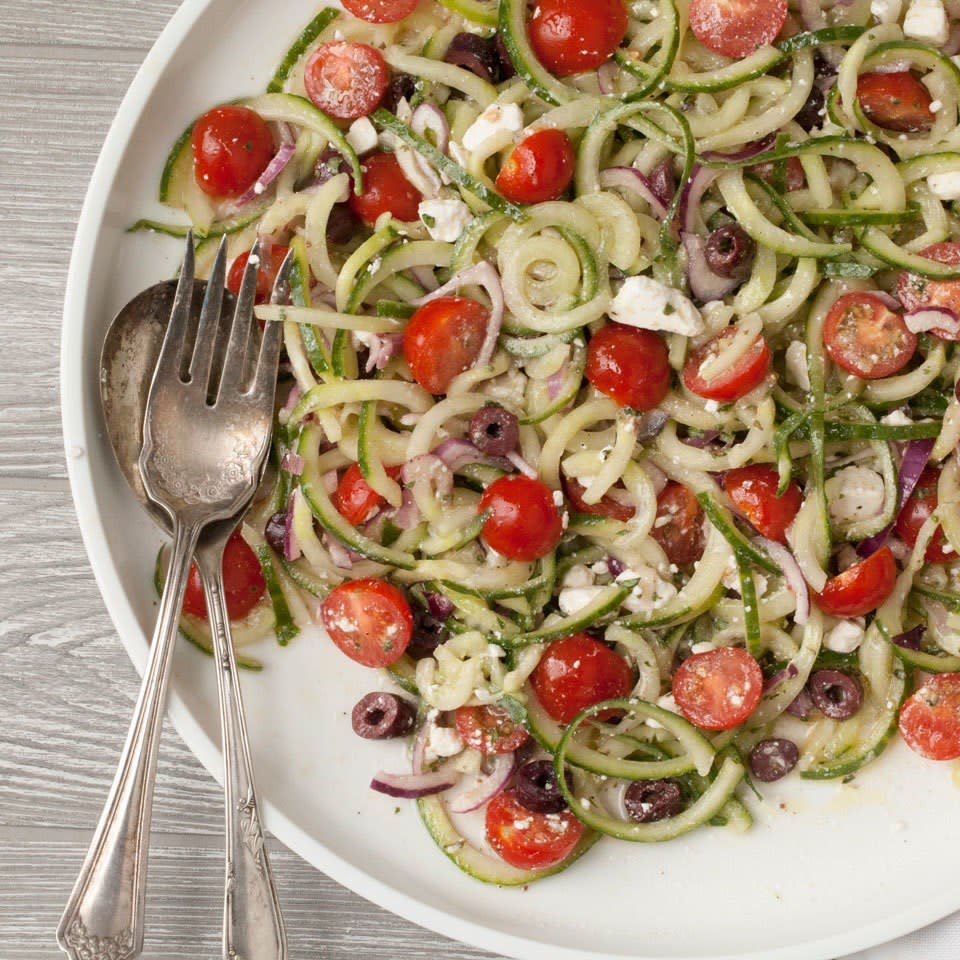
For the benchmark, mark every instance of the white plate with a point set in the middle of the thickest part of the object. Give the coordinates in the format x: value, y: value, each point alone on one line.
x: 826, y: 870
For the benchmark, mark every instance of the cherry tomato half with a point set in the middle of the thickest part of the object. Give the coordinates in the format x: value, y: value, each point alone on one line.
x: 737, y: 380
x: 735, y: 28
x: 489, y: 729
x: 571, y: 36
x: 539, y: 168
x: 865, y: 337
x: 243, y: 583
x: 575, y: 673
x: 231, y: 147
x: 355, y: 499
x: 678, y: 527
x: 381, y: 11
x: 895, y: 101
x: 369, y: 620
x: 608, y: 506
x: 793, y: 175
x: 524, y: 523
x: 753, y: 491
x: 914, y: 291
x: 266, y: 275
x: 443, y: 338
x: 860, y: 588
x: 346, y: 80
x: 930, y: 718
x: 629, y: 365
x: 916, y: 511
x: 385, y: 190
x: 718, y: 689
x: 526, y: 839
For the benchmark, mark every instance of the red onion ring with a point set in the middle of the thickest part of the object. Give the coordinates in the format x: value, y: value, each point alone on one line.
x: 793, y: 575
x: 429, y: 117
x: 922, y: 319
x: 631, y: 180
x: 410, y: 786
x: 486, y: 785
x: 280, y: 159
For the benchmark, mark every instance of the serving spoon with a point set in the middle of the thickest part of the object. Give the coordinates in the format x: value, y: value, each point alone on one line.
x: 252, y: 924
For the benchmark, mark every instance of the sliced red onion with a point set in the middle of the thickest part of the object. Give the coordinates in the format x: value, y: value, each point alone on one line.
x: 280, y: 159
x: 792, y: 573
x: 382, y: 348
x: 888, y: 299
x: 606, y: 77
x: 331, y: 480
x: 614, y: 566
x: 418, y: 171
x: 409, y: 786
x: 292, y: 397
x: 787, y: 673
x: 429, y: 117
x: 291, y: 545
x: 691, y: 193
x: 802, y: 706
x: 522, y: 465
x: 744, y: 153
x: 702, y: 440
x: 556, y: 380
x: 487, y: 784
x: 631, y: 180
x: 408, y: 513
x: 456, y: 453
x: 341, y: 556
x: 439, y: 606
x: 705, y: 285
x: 910, y: 639
x: 292, y: 463
x: 650, y: 424
x: 923, y: 319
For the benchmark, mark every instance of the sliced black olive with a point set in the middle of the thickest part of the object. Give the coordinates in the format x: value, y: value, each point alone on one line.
x: 773, y: 758
x: 380, y: 715
x: 401, y: 87
x: 475, y: 54
x: 730, y: 251
x: 494, y: 430
x: 275, y: 532
x: 342, y: 224
x: 537, y: 787
x: 836, y: 694
x: 650, y: 800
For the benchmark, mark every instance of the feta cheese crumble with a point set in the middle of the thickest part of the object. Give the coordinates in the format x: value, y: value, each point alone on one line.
x: 650, y: 305
x: 493, y: 129
x: 854, y: 493
x: 926, y: 21
x: 445, y: 218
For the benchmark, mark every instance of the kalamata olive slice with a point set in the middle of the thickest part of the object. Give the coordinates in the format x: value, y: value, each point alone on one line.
x: 507, y: 69
x: 428, y: 633
x: 342, y: 224
x: 663, y: 181
x: 650, y: 800
x: 811, y: 114
x: 475, y: 54
x: 494, y: 430
x: 773, y: 758
x: 836, y: 694
x: 275, y: 532
x: 401, y: 87
x: 380, y: 715
x: 537, y: 787
x: 730, y: 251
x: 802, y: 705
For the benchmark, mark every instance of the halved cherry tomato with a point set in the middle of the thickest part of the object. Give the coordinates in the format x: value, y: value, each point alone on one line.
x: 231, y: 147
x: 489, y: 729
x: 914, y: 291
x: 895, y: 101
x: 753, y: 491
x: 571, y: 36
x: 866, y: 338
x: 539, y: 168
x: 346, y: 80
x: 369, y: 620
x: 608, y: 506
x: 629, y: 365
x: 526, y: 839
x: 736, y: 380
x: 524, y: 523
x: 443, y: 338
x: 915, y: 513
x: 243, y: 583
x: 381, y: 11
x: 385, y: 190
x: 355, y: 499
x: 678, y: 527
x: 718, y: 689
x: 930, y: 718
x: 576, y: 672
x: 794, y: 176
x: 860, y: 588
x: 266, y: 275
x: 735, y: 28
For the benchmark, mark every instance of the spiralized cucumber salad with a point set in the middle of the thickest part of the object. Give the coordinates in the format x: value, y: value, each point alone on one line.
x: 618, y: 415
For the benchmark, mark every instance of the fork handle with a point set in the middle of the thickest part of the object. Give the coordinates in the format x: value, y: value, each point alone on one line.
x: 103, y: 919
x: 252, y: 922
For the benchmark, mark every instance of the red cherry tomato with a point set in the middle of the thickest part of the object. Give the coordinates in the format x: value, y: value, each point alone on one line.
x: 575, y: 673
x: 678, y: 527
x: 860, y: 588
x: 355, y: 499
x: 718, y: 689
x: 243, y: 582
x: 385, y: 190
x: 794, y: 176
x: 381, y: 11
x: 753, y: 491
x: 735, y: 28
x: 489, y: 729
x: 916, y: 511
x: 608, y: 506
x: 930, y: 718
x: 346, y: 80
x: 539, y: 168
x: 865, y: 337
x: 914, y: 291
x: 896, y: 101
x: 443, y: 338
x: 266, y: 275
x: 571, y: 36
x: 736, y: 380
x: 231, y: 146
x: 629, y: 365
x: 524, y: 523
x: 369, y: 620
x: 526, y: 839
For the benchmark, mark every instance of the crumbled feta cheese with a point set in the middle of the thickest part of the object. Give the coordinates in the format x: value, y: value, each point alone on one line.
x: 666, y: 702
x: 926, y: 21
x: 362, y: 135
x: 494, y: 128
x: 854, y: 493
x: 442, y: 742
x: 650, y: 593
x: 646, y: 303
x: 703, y: 646
x: 571, y: 600
x: 445, y: 217
x: 845, y: 637
x: 796, y: 363
x: 945, y: 186
x: 886, y: 11
x: 578, y: 575
x: 896, y: 418
x: 936, y: 106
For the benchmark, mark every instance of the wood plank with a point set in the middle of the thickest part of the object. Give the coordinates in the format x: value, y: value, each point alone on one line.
x: 123, y: 24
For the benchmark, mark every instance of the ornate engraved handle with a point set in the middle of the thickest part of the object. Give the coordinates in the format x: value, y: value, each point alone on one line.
x: 103, y: 919
x: 252, y: 923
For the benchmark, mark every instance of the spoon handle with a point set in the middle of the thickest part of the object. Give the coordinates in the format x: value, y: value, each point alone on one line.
x: 103, y: 919
x: 252, y: 922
